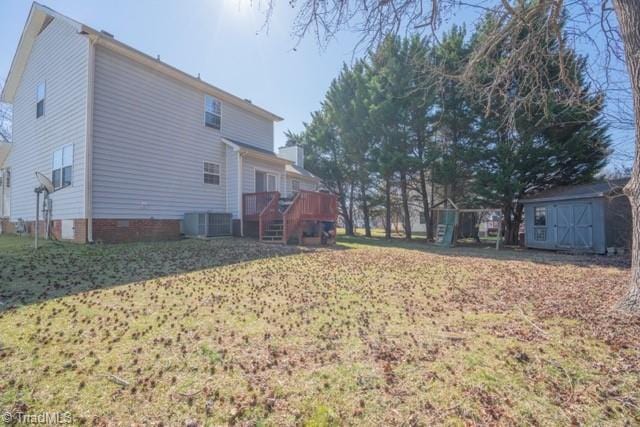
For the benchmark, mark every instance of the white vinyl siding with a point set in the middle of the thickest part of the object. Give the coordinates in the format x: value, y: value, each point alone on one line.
x: 304, y: 183
x: 249, y: 167
x: 59, y: 57
x: 243, y: 126
x: 150, y: 143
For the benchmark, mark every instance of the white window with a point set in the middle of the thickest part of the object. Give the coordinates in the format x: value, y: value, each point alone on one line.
x: 265, y: 182
x: 295, y: 185
x: 62, y: 170
x: 40, y: 94
x: 212, y: 112
x: 211, y: 173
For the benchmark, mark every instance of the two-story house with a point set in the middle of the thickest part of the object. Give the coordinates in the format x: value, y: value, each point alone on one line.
x: 131, y: 143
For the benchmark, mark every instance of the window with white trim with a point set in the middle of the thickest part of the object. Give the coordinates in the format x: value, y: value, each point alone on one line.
x: 211, y: 173
x: 40, y: 95
x: 295, y: 185
x: 212, y: 112
x: 62, y: 168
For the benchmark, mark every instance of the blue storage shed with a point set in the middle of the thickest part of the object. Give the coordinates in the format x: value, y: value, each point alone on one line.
x: 584, y: 218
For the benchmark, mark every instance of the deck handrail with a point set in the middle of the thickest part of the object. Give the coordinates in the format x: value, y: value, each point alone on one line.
x: 291, y: 218
x: 308, y: 205
x: 254, y: 203
x: 270, y: 213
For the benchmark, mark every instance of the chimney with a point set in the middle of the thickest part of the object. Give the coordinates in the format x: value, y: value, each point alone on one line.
x: 294, y: 153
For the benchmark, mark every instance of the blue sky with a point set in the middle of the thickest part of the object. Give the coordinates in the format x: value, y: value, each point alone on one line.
x: 224, y: 41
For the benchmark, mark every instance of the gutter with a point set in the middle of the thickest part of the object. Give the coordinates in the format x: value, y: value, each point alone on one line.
x: 560, y: 199
x: 88, y: 146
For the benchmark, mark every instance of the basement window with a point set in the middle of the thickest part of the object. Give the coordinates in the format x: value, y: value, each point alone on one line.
x: 211, y: 173
x: 40, y: 94
x: 212, y: 112
x: 62, y: 170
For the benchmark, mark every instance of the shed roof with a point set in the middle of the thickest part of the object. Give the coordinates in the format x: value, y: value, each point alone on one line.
x: 582, y: 191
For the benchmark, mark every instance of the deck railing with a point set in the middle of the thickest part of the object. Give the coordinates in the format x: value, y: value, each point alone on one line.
x: 308, y: 205
x: 254, y: 203
x: 264, y: 208
x: 270, y: 213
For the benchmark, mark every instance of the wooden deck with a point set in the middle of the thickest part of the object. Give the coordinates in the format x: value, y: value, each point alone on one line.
x: 279, y: 219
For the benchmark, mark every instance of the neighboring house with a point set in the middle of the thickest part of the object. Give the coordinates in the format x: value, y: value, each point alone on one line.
x: 130, y: 143
x: 589, y: 218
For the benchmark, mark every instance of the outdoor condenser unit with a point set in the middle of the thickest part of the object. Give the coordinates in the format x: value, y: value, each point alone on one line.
x: 208, y: 224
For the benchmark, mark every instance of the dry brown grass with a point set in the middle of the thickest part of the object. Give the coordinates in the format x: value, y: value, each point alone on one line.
x: 368, y: 333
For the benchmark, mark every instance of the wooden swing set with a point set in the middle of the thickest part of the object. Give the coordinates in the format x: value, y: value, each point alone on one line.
x: 448, y: 221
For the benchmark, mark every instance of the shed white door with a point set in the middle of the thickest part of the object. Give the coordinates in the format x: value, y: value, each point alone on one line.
x: 574, y: 224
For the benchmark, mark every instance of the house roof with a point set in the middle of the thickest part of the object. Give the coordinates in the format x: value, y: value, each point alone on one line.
x: 297, y: 170
x: 40, y: 15
x: 254, y: 151
x: 582, y: 191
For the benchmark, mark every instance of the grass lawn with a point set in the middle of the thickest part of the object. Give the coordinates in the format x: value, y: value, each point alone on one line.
x: 370, y: 332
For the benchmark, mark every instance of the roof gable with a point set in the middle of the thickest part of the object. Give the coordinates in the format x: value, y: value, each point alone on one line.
x: 39, y: 17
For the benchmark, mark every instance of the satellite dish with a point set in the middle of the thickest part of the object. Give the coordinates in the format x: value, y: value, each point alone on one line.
x: 45, y: 182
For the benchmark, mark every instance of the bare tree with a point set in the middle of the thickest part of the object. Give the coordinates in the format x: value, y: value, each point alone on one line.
x: 611, y: 27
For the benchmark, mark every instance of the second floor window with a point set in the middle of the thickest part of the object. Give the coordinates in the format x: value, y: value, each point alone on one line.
x: 40, y: 94
x: 212, y: 112
x: 295, y: 185
x: 62, y: 171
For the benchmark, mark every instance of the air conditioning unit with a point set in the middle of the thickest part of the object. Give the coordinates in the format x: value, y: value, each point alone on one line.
x: 207, y: 224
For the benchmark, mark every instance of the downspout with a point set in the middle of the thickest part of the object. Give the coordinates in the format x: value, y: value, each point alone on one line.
x: 240, y: 196
x: 2, y: 194
x: 88, y: 147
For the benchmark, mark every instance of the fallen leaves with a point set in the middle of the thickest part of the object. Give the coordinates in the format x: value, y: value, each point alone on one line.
x: 231, y: 331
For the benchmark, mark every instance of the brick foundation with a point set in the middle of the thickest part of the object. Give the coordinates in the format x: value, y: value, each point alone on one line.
x: 7, y: 227
x: 79, y: 229
x: 135, y: 230
x: 106, y: 230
